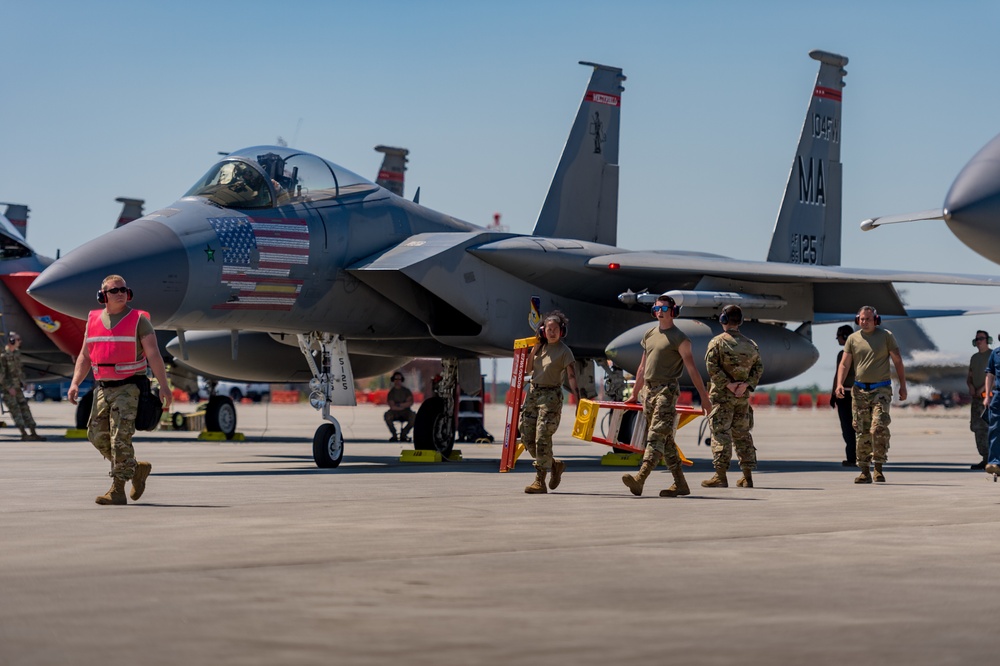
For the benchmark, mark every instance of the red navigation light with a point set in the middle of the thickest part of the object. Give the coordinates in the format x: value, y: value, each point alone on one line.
x: 614, y: 265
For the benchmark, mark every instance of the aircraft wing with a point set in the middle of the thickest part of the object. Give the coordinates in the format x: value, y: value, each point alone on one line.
x: 662, y: 265
x: 911, y: 313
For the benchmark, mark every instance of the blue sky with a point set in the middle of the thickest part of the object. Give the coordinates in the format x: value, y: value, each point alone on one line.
x: 109, y: 99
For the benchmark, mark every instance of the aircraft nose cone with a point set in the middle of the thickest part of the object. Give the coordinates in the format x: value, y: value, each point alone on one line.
x: 148, y: 254
x: 973, y: 202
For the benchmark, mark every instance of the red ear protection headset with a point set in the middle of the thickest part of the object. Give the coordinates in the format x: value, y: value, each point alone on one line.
x: 102, y: 298
x: 675, y: 309
x: 857, y: 317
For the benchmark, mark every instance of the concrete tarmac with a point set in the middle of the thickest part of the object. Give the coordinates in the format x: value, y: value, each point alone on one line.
x: 246, y: 553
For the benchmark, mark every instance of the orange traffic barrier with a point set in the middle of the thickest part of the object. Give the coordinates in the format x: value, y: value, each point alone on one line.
x: 805, y: 400
x: 823, y: 400
x: 782, y: 399
x: 285, y: 397
x: 760, y: 399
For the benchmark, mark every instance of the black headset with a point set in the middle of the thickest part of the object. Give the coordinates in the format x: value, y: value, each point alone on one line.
x: 562, y: 328
x: 675, y: 309
x: 402, y: 379
x: 731, y: 312
x: 857, y: 317
x: 102, y: 298
x: 12, y: 337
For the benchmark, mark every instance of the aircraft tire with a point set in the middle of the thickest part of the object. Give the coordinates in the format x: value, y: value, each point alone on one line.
x: 433, y: 429
x: 328, y: 447
x: 83, y: 407
x: 177, y: 420
x: 220, y: 415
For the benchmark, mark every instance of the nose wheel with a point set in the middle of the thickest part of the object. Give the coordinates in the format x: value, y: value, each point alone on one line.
x: 328, y: 446
x: 332, y: 384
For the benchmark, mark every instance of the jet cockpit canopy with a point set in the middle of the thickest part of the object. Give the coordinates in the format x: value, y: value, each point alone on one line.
x: 270, y: 176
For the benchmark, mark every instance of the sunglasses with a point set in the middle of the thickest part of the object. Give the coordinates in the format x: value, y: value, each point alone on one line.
x: 117, y: 290
x: 661, y: 308
x: 979, y: 339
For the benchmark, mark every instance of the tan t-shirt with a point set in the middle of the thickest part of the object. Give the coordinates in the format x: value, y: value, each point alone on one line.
x: 977, y: 366
x: 870, y: 354
x: 663, y: 357
x: 549, y: 363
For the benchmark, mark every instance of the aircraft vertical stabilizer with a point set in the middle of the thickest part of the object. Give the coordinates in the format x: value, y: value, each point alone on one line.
x: 131, y: 210
x: 392, y: 173
x: 582, y: 202
x: 808, y: 227
x: 17, y: 215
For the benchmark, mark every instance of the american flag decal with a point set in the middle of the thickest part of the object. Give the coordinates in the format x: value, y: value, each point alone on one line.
x: 257, y: 258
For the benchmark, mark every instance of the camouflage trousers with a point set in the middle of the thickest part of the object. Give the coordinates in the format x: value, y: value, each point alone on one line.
x: 731, y: 421
x: 979, y: 427
x: 112, y: 424
x: 402, y: 416
x: 871, y: 423
x: 18, y: 409
x: 540, y: 417
x: 660, y: 409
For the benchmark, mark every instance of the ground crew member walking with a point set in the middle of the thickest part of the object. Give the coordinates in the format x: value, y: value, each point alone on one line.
x: 666, y: 352
x: 868, y: 351
x: 12, y: 386
x: 992, y: 402
x: 119, y: 344
x: 844, y: 406
x: 976, y: 382
x: 734, y: 370
x: 542, y: 408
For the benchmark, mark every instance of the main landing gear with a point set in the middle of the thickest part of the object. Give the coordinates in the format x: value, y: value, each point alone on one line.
x: 434, y: 427
x: 332, y: 383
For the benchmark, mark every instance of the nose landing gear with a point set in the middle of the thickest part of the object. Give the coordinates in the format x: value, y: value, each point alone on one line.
x: 332, y: 384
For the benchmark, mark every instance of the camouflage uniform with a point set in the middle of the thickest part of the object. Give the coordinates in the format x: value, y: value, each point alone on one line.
x: 12, y: 377
x: 112, y: 424
x: 732, y: 357
x: 871, y: 423
x: 540, y: 417
x: 660, y: 409
x: 870, y: 354
x: 542, y: 407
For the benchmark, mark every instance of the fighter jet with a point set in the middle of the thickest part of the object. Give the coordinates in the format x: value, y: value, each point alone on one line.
x: 971, y: 208
x: 40, y: 328
x: 280, y: 241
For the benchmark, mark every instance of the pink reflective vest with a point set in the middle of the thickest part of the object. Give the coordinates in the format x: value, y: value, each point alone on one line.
x: 112, y: 352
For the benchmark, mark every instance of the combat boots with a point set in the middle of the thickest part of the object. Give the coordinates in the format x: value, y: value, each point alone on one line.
x: 116, y: 495
x: 558, y: 467
x: 680, y: 485
x: 879, y: 476
x: 538, y: 487
x: 635, y: 482
x: 142, y: 470
x: 747, y: 480
x: 865, y: 476
x: 717, y: 481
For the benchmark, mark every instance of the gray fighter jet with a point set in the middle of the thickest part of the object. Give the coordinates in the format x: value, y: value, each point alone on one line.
x: 279, y: 241
x: 971, y: 208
